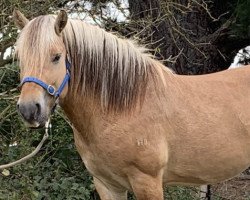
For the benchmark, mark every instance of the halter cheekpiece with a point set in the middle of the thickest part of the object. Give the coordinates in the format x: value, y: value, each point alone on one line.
x: 49, y: 88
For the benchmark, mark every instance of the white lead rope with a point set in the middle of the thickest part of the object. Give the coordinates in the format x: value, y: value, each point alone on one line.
x: 45, y: 137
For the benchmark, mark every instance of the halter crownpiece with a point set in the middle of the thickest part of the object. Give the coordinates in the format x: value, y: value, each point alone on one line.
x: 49, y: 88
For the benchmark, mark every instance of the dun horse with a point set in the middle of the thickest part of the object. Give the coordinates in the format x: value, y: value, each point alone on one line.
x: 136, y: 125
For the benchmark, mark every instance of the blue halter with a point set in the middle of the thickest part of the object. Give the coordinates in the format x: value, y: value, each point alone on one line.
x: 49, y: 88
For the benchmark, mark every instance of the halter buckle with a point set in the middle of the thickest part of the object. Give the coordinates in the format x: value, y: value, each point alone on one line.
x: 51, y: 90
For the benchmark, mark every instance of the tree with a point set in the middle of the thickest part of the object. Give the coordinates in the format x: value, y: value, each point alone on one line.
x: 193, y: 36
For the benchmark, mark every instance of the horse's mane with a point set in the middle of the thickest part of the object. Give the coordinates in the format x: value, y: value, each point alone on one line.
x: 114, y: 70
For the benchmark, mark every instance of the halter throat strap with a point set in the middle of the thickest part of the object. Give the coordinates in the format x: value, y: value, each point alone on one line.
x: 49, y: 88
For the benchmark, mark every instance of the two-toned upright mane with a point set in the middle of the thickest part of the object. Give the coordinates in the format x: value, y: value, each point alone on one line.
x: 105, y: 65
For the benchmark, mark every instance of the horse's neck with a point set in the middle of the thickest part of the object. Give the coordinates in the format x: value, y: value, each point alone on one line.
x: 81, y: 112
x: 87, y: 116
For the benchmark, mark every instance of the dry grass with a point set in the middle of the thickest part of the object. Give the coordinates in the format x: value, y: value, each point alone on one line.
x: 237, y: 188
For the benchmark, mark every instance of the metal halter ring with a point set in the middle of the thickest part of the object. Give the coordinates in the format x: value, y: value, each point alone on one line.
x: 51, y: 90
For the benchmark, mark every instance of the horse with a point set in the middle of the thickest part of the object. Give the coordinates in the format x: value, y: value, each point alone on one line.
x: 137, y: 126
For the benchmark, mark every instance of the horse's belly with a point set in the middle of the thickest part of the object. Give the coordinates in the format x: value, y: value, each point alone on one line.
x: 210, y: 167
x: 200, y: 178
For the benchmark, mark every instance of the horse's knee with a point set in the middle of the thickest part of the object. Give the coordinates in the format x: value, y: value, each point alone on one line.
x: 146, y: 187
x: 107, y: 193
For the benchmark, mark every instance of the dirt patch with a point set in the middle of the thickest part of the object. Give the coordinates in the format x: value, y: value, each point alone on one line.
x: 237, y: 188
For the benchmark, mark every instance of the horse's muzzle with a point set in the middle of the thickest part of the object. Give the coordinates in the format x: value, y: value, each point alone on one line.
x: 31, y: 112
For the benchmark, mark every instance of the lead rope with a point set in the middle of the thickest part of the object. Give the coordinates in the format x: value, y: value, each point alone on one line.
x: 48, y: 127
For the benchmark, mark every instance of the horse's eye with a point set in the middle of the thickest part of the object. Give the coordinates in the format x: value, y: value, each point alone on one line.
x: 56, y: 58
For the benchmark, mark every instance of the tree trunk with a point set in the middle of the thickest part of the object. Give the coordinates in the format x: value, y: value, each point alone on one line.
x: 185, y: 34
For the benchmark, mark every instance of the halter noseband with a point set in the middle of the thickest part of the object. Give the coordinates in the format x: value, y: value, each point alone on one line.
x: 49, y: 88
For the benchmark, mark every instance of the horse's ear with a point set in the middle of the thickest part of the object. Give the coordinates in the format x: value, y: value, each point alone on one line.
x: 61, y: 21
x: 19, y: 19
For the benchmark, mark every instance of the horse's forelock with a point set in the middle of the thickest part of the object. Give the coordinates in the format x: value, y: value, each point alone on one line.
x: 36, y: 41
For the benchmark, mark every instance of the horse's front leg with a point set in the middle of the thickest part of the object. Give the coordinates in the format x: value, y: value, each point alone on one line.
x: 147, y: 187
x: 106, y: 193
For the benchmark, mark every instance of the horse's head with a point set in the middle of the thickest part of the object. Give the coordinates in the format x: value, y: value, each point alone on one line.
x: 43, y: 65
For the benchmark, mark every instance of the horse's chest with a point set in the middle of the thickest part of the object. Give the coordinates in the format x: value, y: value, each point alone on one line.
x: 102, y: 169
x: 91, y: 161
x: 92, y: 164
x: 97, y: 162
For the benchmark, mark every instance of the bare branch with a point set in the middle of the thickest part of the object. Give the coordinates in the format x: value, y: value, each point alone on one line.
x: 32, y: 154
x: 6, y: 61
x: 4, y: 111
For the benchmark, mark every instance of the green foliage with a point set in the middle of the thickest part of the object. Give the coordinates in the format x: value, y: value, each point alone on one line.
x: 241, y: 27
x: 55, y: 173
x: 181, y: 193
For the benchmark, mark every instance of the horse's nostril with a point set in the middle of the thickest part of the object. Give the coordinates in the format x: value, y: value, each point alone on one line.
x: 38, y: 110
x: 38, y: 107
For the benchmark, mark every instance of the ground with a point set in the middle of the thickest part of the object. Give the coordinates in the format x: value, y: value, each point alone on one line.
x: 237, y: 188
